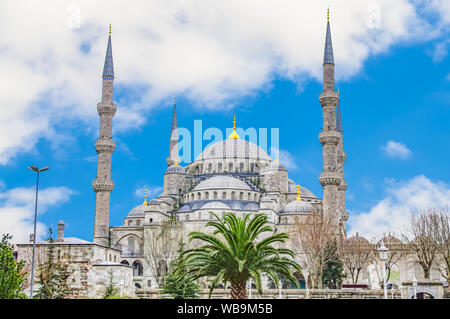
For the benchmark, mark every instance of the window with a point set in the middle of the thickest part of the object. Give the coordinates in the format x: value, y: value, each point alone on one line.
x: 241, y: 196
x: 220, y: 167
x: 210, y: 167
x: 230, y: 167
x: 241, y: 167
x: 131, y: 244
x: 233, y: 195
x: 138, y: 222
x: 187, y: 217
x: 138, y: 270
x: 224, y: 195
x: 252, y: 167
x: 207, y: 195
x: 215, y: 195
x: 124, y: 262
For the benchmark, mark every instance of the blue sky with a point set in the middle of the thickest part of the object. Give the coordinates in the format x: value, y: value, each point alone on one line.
x: 395, y: 102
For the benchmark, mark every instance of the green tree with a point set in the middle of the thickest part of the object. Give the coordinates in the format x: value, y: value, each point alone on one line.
x: 333, y: 272
x: 110, y: 292
x: 180, y: 284
x: 52, y: 274
x: 11, y: 274
x: 235, y: 252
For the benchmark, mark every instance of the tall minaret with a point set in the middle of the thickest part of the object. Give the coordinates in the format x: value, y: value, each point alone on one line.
x: 103, y: 185
x: 330, y: 137
x: 173, y: 149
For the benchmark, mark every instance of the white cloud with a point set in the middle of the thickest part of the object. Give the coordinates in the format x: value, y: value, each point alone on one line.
x: 285, y: 158
x: 396, y: 150
x: 152, y: 191
x: 210, y: 54
x: 391, y: 214
x: 17, y: 210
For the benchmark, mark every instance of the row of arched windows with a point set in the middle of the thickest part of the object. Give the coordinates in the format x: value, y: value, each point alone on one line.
x: 223, y: 195
x: 228, y: 167
x: 138, y: 269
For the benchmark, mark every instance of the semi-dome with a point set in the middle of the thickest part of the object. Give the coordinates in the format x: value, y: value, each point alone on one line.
x: 233, y: 148
x: 305, y: 193
x: 297, y: 207
x: 175, y: 169
x: 222, y: 182
x: 274, y: 166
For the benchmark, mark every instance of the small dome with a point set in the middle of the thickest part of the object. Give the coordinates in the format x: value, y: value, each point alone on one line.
x: 138, y: 211
x: 222, y: 182
x: 274, y: 166
x: 305, y: 193
x: 175, y: 169
x: 390, y: 240
x: 297, y: 207
x: 357, y: 239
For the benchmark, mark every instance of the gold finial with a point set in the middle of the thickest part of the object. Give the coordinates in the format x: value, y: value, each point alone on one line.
x: 145, y: 197
x: 276, y: 159
x: 234, y: 135
x: 175, y: 163
x: 298, y: 193
x: 328, y: 14
x: 110, y: 29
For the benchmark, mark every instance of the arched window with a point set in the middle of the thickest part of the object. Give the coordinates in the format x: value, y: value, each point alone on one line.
x: 124, y: 262
x: 131, y: 245
x: 137, y: 285
x: 241, y: 196
x: 210, y: 167
x: 249, y: 196
x: 130, y: 222
x: 220, y: 167
x: 241, y: 167
x: 138, y: 222
x: 233, y: 195
x: 138, y: 270
x: 215, y: 195
x: 255, y: 198
x: 207, y: 195
x: 252, y: 167
x: 224, y: 195
x: 230, y: 167
x: 199, y: 196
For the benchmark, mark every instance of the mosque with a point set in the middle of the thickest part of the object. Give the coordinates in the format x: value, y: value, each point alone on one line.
x: 232, y: 175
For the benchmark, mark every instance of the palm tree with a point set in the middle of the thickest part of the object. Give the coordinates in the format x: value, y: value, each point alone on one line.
x: 233, y: 253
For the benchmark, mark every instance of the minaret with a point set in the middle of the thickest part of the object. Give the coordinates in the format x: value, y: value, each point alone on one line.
x: 330, y: 178
x: 173, y: 149
x: 103, y: 185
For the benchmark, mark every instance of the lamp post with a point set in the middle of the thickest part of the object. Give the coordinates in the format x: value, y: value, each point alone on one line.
x: 280, y: 285
x: 37, y: 170
x: 384, y: 254
x: 250, y: 288
x: 414, y: 283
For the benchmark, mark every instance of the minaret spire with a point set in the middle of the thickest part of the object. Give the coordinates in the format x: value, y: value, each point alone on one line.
x: 103, y: 185
x: 173, y: 148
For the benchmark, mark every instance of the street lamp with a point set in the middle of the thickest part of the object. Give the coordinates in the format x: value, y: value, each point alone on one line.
x: 414, y: 283
x: 280, y: 285
x: 384, y: 255
x: 37, y: 170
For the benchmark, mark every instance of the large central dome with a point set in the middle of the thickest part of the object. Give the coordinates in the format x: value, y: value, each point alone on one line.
x: 233, y: 148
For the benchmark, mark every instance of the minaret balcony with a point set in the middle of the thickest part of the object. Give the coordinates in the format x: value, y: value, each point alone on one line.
x: 106, y: 108
x: 103, y: 185
x: 328, y: 98
x: 105, y: 145
x: 329, y: 137
x: 330, y: 178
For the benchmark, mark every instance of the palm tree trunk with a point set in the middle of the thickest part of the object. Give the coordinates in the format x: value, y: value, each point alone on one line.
x: 238, y: 290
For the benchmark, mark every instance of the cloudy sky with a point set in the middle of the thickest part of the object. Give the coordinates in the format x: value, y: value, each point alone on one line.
x: 259, y: 59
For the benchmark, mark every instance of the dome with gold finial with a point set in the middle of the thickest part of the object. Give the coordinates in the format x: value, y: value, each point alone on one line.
x: 176, y: 169
x: 234, y: 147
x: 298, y: 206
x: 139, y: 211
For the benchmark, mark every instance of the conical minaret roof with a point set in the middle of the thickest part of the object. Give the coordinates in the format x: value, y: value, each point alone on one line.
x: 174, y: 120
x: 328, y: 57
x: 108, y: 69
